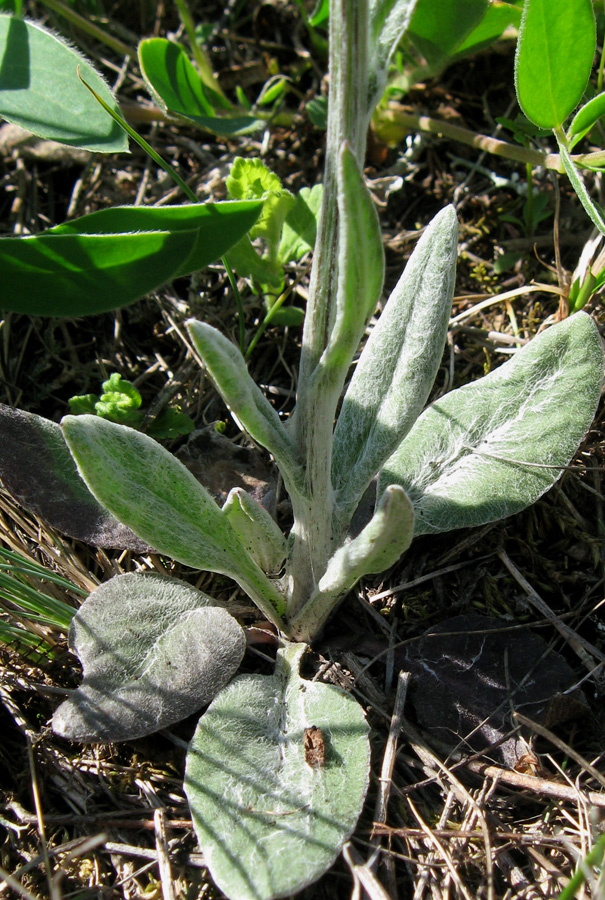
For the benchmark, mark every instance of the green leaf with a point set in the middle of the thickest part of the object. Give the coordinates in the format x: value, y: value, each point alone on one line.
x: 153, y: 650
x: 148, y: 489
x: 398, y: 365
x: 437, y: 29
x: 496, y: 19
x: 171, y: 423
x: 555, y: 52
x: 300, y: 227
x: 268, y: 822
x: 320, y: 14
x: 317, y: 110
x: 84, y: 274
x: 227, y: 368
x: 585, y: 119
x: 172, y: 79
x: 250, y: 179
x: 40, y: 89
x: 218, y: 226
x: 176, y: 85
x: 493, y: 447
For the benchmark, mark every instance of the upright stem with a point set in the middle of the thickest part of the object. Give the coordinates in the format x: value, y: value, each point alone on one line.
x: 313, y: 420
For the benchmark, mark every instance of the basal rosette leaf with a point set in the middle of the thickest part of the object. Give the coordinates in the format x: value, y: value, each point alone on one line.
x: 153, y: 650
x: 269, y: 816
x: 493, y: 447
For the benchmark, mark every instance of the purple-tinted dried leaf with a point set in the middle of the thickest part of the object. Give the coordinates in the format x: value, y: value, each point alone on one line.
x: 470, y: 672
x: 38, y: 471
x: 221, y: 465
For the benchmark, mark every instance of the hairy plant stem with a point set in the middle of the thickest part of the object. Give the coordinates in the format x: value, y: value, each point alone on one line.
x: 317, y: 400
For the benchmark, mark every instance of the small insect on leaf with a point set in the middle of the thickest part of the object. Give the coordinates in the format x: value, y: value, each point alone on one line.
x: 315, y: 747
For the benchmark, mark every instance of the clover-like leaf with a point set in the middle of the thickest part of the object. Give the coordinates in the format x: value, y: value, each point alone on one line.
x: 276, y: 777
x: 153, y: 650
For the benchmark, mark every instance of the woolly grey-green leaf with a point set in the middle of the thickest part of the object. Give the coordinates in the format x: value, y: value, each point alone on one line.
x: 148, y: 489
x: 269, y: 816
x: 493, y: 447
x: 397, y: 368
x: 153, y: 650
x: 257, y: 530
x: 227, y: 368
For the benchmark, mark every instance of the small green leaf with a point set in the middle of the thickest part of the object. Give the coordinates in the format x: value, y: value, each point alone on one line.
x: 437, y: 29
x: 300, y: 227
x: 250, y: 179
x: 153, y: 650
x: 218, y: 226
x: 40, y: 89
x: 171, y: 423
x: 317, y: 110
x: 379, y: 545
x: 496, y: 19
x: 269, y: 820
x: 172, y: 79
x: 493, y: 447
x: 585, y: 119
x: 148, y: 489
x: 120, y: 401
x: 320, y: 14
x: 174, y: 82
x: 555, y: 52
x: 84, y: 274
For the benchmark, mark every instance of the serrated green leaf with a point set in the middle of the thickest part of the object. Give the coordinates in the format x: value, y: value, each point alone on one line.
x: 218, y: 226
x: 148, y: 489
x: 493, y: 447
x: 85, y: 274
x: 250, y: 179
x: 555, y: 53
x: 268, y: 822
x: 153, y: 650
x: 398, y: 365
x: 40, y: 89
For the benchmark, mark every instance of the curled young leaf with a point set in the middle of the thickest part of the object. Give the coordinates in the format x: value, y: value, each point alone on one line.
x: 493, y: 447
x: 398, y: 365
x: 153, y: 650
x: 276, y: 777
x: 257, y: 530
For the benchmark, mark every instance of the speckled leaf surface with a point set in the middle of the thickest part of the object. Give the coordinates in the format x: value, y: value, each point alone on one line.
x: 269, y: 821
x: 153, y: 650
